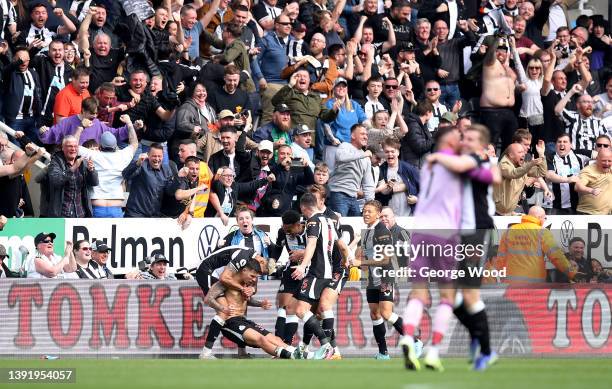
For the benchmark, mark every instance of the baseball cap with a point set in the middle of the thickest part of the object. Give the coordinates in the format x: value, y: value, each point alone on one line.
x: 449, y: 117
x: 225, y: 114
x: 3, y: 252
x: 340, y: 80
x: 42, y: 236
x: 159, y: 257
x: 266, y: 145
x: 100, y: 247
x: 108, y: 141
x: 282, y: 108
x: 406, y: 46
x: 302, y: 129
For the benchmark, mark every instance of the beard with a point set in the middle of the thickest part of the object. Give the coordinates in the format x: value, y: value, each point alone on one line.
x: 284, y: 126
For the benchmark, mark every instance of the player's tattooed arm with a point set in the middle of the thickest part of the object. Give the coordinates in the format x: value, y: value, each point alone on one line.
x: 211, y: 298
x: 265, y: 304
x: 227, y: 279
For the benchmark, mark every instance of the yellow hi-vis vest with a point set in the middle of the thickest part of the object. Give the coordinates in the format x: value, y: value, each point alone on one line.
x: 201, y: 198
x: 522, y: 250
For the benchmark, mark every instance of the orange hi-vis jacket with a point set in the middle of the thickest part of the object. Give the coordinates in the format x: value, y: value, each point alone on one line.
x: 522, y: 250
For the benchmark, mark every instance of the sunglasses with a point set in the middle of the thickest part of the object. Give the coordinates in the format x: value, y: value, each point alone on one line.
x: 433, y: 89
x: 604, y: 145
x: 534, y: 67
x: 391, y: 86
x: 284, y: 23
x: 47, y: 241
x: 86, y: 248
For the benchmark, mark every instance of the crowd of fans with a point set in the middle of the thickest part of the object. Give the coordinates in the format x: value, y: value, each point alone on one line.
x: 198, y: 108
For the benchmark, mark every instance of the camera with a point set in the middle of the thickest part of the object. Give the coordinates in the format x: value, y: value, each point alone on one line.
x: 296, y: 165
x: 296, y: 162
x: 144, y: 264
x: 241, y: 115
x: 565, y: 51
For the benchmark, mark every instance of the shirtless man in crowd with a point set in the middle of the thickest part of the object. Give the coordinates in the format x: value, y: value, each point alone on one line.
x: 497, y: 99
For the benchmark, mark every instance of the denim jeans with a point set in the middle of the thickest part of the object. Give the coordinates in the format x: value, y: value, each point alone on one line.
x: 28, y: 126
x: 449, y: 95
x: 344, y: 204
x: 107, y: 212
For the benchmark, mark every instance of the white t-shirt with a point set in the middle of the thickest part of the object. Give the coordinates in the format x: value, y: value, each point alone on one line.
x: 556, y: 19
x: 109, y: 166
x: 30, y: 267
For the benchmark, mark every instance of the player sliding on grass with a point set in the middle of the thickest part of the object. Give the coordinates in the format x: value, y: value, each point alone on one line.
x: 231, y: 304
x: 220, y: 266
x: 380, y: 289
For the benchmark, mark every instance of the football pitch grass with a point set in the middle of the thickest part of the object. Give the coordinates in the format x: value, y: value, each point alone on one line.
x: 347, y: 373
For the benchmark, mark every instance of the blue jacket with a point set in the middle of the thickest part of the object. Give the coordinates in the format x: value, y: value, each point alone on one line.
x: 341, y: 127
x: 272, y: 59
x: 410, y: 178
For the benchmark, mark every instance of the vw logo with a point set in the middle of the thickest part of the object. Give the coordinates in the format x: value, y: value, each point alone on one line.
x: 209, y: 236
x: 567, y: 232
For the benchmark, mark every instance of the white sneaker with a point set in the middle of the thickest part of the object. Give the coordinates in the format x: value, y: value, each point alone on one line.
x: 206, y: 354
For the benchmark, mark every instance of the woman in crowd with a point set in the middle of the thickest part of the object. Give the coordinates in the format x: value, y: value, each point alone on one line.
x: 350, y: 112
x: 532, y: 110
x: 193, y: 117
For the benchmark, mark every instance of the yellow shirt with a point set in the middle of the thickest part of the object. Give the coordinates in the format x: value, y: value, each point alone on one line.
x: 601, y: 204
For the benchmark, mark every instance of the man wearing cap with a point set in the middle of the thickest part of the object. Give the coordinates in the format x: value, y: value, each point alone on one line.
x: 158, y: 270
x: 4, y: 270
x: 262, y: 159
x: 278, y: 130
x: 210, y: 142
x: 448, y: 118
x: 44, y: 263
x: 272, y: 59
x: 305, y: 105
x: 107, y: 197
x: 302, y: 144
x: 99, y: 258
x: 70, y: 179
